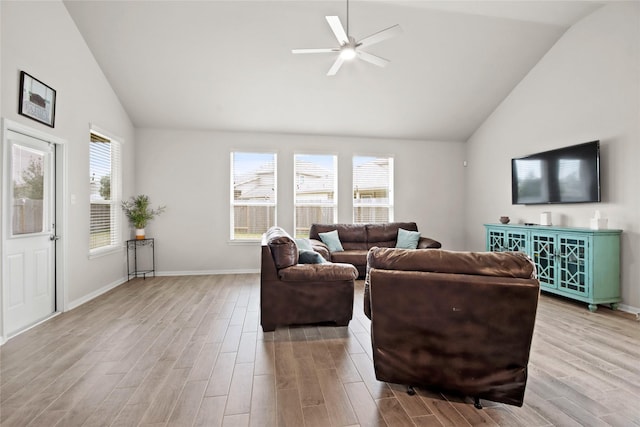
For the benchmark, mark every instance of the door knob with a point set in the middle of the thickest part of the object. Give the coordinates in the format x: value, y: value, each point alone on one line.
x: 53, y: 237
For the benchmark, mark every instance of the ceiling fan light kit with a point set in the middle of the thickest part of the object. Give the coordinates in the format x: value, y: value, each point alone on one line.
x: 349, y: 48
x: 347, y: 52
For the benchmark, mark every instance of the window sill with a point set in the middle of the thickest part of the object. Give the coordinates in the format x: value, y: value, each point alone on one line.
x: 104, y: 251
x: 246, y: 242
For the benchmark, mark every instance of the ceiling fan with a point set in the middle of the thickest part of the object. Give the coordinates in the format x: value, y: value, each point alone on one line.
x: 350, y: 48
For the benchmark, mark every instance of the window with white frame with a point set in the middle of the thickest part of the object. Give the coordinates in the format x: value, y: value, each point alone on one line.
x: 372, y: 189
x: 253, y: 194
x: 104, y: 192
x: 315, y: 189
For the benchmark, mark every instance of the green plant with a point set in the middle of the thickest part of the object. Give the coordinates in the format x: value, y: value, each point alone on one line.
x: 139, y: 211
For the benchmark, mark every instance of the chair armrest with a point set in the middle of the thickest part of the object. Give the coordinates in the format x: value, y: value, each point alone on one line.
x: 427, y: 243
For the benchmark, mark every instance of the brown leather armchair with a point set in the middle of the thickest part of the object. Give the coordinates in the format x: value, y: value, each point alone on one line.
x: 460, y: 322
x: 292, y: 293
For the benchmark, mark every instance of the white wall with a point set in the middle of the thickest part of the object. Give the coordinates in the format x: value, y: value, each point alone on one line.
x: 41, y: 39
x: 586, y: 87
x: 189, y: 171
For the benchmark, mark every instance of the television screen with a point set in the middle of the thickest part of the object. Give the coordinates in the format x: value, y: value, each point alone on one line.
x: 566, y: 175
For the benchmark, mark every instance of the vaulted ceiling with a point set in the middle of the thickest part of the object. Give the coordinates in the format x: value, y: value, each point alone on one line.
x: 227, y: 65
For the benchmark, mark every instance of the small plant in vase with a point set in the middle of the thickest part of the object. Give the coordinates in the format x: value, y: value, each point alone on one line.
x: 139, y: 212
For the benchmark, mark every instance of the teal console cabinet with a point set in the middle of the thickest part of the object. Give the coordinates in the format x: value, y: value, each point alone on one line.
x: 577, y: 263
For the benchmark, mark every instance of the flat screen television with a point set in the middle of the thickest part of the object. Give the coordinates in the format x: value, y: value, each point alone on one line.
x: 565, y: 175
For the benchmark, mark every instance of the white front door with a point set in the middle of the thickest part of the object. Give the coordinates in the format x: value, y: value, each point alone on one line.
x: 29, y: 234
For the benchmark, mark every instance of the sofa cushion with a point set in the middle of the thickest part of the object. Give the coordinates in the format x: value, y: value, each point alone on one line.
x: 332, y: 240
x: 427, y: 243
x: 321, y: 248
x: 355, y: 257
x: 283, y: 248
x: 329, y: 272
x: 501, y: 264
x: 352, y: 236
x: 310, y: 257
x: 407, y: 239
x: 385, y: 235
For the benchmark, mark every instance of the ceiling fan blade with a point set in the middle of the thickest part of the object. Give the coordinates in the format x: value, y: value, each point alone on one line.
x: 327, y: 50
x: 381, y: 35
x: 336, y: 66
x: 338, y: 29
x: 374, y: 59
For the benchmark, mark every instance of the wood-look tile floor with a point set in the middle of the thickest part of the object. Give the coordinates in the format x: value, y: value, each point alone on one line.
x: 189, y: 351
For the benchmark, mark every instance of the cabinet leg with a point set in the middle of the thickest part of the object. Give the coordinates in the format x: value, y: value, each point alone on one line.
x: 614, y: 306
x: 593, y: 307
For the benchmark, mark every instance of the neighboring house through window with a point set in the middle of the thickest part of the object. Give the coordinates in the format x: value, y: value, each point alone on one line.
x: 253, y: 194
x: 372, y: 189
x: 104, y: 192
x: 315, y: 191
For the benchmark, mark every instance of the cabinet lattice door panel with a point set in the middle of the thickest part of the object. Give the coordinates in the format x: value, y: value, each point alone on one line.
x: 501, y: 241
x: 572, y: 266
x: 544, y: 256
x: 495, y: 241
x: 517, y: 241
x: 577, y: 263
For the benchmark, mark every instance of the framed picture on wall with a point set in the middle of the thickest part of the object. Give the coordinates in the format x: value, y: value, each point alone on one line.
x: 37, y: 100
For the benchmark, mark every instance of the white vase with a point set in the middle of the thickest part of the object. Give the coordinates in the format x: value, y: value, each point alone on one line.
x: 139, y: 233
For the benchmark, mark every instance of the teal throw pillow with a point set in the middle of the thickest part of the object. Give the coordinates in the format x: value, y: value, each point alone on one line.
x: 304, y: 244
x: 407, y: 239
x: 310, y: 257
x: 332, y: 240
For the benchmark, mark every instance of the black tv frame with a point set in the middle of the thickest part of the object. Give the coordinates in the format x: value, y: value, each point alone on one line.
x: 553, y: 192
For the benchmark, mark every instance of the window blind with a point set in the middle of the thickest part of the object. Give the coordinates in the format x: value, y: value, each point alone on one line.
x: 104, y: 191
x: 253, y: 194
x: 372, y: 189
x: 315, y: 195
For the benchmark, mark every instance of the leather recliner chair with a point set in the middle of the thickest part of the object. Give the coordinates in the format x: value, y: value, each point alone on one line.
x: 292, y: 293
x: 459, y: 322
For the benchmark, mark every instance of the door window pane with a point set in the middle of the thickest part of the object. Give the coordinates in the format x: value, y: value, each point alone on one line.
x: 28, y: 190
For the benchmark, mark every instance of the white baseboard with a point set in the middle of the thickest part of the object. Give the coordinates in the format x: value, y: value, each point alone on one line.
x: 106, y: 288
x: 207, y: 272
x: 3, y: 340
x: 629, y: 309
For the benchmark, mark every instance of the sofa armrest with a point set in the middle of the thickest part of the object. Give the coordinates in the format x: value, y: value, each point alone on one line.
x: 321, y: 248
x: 427, y: 243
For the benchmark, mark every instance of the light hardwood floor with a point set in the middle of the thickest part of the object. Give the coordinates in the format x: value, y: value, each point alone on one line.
x: 189, y: 351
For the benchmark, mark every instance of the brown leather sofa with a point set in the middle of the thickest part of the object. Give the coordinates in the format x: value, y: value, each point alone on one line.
x: 459, y: 322
x: 357, y: 239
x: 292, y: 293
